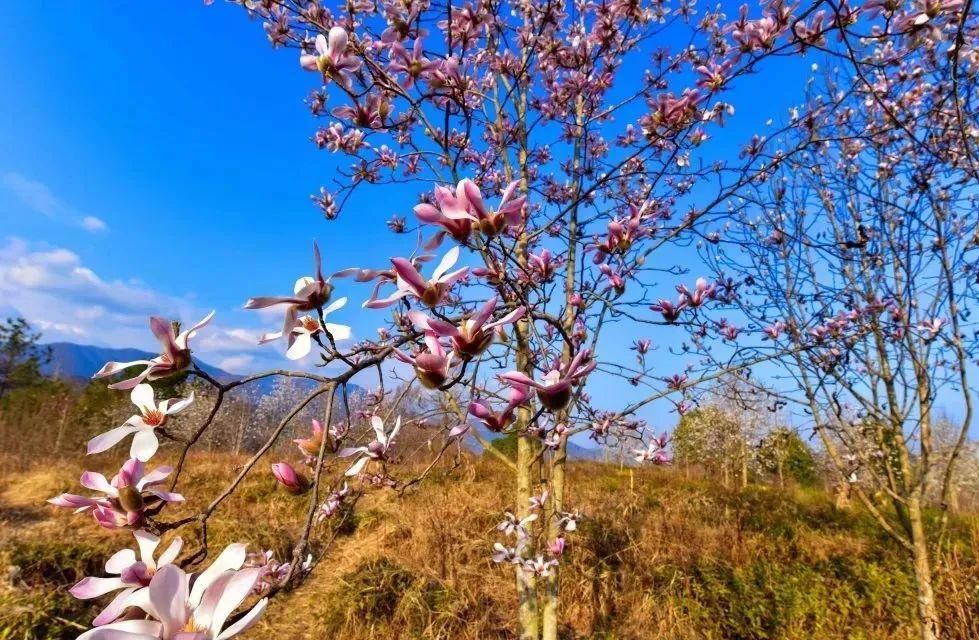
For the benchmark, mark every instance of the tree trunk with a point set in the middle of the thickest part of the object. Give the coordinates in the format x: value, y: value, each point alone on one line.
x: 526, y: 583
x: 927, y: 613
x: 552, y: 584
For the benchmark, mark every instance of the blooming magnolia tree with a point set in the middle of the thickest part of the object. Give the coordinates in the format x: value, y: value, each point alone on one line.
x: 858, y: 256
x: 558, y: 150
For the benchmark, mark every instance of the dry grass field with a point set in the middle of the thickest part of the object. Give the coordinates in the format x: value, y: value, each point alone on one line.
x: 658, y: 556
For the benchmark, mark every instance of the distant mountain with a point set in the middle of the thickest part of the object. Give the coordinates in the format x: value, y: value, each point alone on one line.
x: 79, y: 361
x: 575, y: 451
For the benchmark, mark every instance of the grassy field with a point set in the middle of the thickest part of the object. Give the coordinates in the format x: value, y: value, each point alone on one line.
x: 658, y: 556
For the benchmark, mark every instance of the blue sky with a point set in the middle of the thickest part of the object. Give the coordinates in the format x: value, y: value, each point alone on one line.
x: 158, y: 161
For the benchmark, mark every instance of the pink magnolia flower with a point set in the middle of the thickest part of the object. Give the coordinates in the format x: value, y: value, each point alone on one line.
x: 180, y: 611
x: 670, y: 311
x: 655, y: 452
x: 474, y: 334
x: 556, y: 548
x: 543, y: 265
x: 621, y: 235
x: 492, y: 222
x: 448, y: 212
x: 301, y: 336
x: 411, y: 283
x: 130, y: 576
x: 702, y: 293
x: 331, y: 57
x: 932, y: 328
x: 514, y: 526
x: 555, y: 390
x: 152, y: 416
x: 332, y: 504
x: 497, y: 422
x: 773, y: 331
x: 539, y: 566
x: 537, y: 502
x: 432, y: 366
x: 174, y: 355
x: 414, y: 65
x: 508, y: 555
x: 289, y: 478
x: 124, y: 499
x: 311, y: 446
x: 677, y: 381
x: 376, y: 450
x: 309, y: 293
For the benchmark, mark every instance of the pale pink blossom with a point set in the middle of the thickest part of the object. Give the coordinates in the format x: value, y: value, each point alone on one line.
x: 301, y: 336
x: 311, y: 446
x: 184, y: 610
x: 702, y: 292
x: 123, y: 500
x: 493, y: 221
x: 143, y: 426
x: 498, y: 421
x: 432, y: 365
x: 669, y: 310
x: 655, y: 452
x: 174, y: 354
x: 376, y: 450
x: 130, y: 576
x: 539, y: 566
x: 514, y: 526
x: 474, y: 334
x: 554, y: 391
x: 331, y: 58
x: 309, y: 293
x: 411, y: 283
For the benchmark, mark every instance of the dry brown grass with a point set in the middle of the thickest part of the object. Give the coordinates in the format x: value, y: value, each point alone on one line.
x: 657, y: 557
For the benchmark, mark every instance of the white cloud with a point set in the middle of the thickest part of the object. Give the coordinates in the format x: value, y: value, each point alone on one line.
x: 34, y: 194
x: 236, y: 364
x: 67, y: 300
x: 93, y: 224
x: 38, y: 197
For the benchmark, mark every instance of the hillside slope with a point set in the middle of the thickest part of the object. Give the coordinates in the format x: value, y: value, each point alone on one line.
x: 656, y: 557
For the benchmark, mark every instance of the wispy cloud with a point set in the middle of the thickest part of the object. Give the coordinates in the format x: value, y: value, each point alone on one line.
x: 39, y: 198
x: 67, y: 300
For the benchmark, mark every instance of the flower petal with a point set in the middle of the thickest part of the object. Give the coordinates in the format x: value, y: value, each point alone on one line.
x: 147, y: 545
x: 109, y: 439
x: 115, y: 608
x: 357, y: 466
x: 170, y: 553
x: 336, y: 305
x: 246, y: 622
x: 224, y: 596
x: 448, y: 261
x: 120, y: 560
x: 145, y: 444
x: 125, y: 630
x: 97, y: 482
x: 143, y: 397
x: 301, y: 346
x: 89, y: 587
x: 168, y: 599
x: 231, y: 558
x: 339, y: 331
